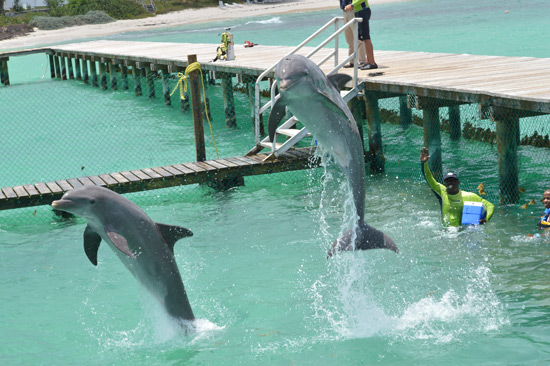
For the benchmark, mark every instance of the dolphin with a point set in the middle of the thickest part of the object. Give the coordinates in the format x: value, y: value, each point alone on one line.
x: 316, y: 101
x: 145, y: 247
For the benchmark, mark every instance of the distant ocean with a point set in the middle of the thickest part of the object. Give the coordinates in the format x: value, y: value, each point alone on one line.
x: 489, y: 27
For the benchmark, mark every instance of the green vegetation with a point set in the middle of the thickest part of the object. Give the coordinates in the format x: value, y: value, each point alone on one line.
x: 118, y: 9
x: 66, y: 13
x: 91, y: 17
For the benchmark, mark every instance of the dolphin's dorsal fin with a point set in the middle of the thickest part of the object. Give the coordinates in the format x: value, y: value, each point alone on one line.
x: 172, y: 233
x: 278, y: 111
x: 339, y: 80
x: 119, y: 241
x: 91, y: 244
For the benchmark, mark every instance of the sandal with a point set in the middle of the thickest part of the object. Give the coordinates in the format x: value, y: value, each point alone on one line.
x: 350, y: 65
x: 368, y: 67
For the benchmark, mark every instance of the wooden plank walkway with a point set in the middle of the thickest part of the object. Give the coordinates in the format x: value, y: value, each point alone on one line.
x: 514, y: 82
x: 210, y: 171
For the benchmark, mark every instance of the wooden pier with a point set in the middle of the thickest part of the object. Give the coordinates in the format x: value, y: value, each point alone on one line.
x: 505, y: 89
x: 210, y: 172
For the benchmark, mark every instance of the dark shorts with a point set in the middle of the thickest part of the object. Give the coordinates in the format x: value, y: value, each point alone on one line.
x: 364, y: 30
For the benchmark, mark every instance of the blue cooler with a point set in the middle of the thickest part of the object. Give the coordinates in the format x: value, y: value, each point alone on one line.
x: 472, y: 212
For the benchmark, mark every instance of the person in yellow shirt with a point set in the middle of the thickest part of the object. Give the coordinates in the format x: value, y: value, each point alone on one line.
x: 450, y: 197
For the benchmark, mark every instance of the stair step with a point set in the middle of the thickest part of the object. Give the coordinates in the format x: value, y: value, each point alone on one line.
x: 269, y: 144
x: 291, y: 132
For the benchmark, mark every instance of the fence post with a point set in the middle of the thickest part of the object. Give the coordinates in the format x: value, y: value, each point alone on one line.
x: 195, y: 85
x: 375, y: 133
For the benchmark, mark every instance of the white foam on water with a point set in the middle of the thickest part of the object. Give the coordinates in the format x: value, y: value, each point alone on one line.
x: 274, y: 20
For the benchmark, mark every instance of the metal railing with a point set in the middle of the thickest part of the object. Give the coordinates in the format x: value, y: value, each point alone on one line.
x: 334, y: 54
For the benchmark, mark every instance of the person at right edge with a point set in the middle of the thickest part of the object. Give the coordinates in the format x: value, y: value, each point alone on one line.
x: 451, y: 198
x: 362, y: 10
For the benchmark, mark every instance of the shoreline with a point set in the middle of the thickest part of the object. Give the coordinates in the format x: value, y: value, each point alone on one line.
x: 173, y: 19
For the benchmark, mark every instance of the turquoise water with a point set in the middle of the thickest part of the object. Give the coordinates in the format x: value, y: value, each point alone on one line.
x: 255, y: 269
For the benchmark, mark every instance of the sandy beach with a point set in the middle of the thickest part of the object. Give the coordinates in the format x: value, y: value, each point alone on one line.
x: 43, y: 37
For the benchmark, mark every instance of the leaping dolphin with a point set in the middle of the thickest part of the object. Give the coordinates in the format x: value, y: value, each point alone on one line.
x: 145, y: 247
x: 316, y: 101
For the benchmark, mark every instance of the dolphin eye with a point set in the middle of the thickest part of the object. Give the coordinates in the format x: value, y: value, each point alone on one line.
x: 92, y: 202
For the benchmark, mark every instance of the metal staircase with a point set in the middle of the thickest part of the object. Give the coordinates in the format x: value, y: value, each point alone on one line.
x: 149, y: 5
x: 287, y: 129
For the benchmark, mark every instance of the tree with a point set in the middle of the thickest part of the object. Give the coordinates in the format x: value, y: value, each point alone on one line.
x: 2, y: 7
x: 17, y: 6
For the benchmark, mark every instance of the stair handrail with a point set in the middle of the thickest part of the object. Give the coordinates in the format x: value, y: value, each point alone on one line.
x: 352, y: 23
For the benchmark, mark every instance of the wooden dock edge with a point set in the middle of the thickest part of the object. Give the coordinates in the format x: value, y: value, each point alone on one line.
x: 39, y: 194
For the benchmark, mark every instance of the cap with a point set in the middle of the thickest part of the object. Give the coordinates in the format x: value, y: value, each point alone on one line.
x: 450, y: 176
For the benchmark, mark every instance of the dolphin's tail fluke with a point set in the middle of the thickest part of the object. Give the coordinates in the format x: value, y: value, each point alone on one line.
x: 367, y: 238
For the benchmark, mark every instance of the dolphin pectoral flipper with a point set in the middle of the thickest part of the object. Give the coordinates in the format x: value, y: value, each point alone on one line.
x: 339, y: 80
x: 278, y: 111
x: 119, y: 241
x: 91, y: 244
x: 172, y: 233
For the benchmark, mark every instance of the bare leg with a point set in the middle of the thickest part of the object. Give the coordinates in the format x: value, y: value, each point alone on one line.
x: 370, y: 51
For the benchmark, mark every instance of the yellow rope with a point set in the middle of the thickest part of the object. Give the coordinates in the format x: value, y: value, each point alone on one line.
x: 182, y: 84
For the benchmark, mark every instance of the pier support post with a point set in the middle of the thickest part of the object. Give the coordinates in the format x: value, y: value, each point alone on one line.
x: 70, y: 67
x: 405, y: 113
x: 454, y: 122
x: 228, y: 102
x: 432, y: 140
x: 93, y: 72
x: 4, y: 72
x: 85, y: 74
x: 166, y: 87
x: 112, y: 74
x: 77, y: 68
x: 136, y: 74
x: 149, y: 80
x: 195, y: 85
x: 375, y: 134
x: 57, y: 64
x: 52, y: 65
x: 102, y: 75
x: 63, y: 68
x: 124, y: 76
x: 507, y: 131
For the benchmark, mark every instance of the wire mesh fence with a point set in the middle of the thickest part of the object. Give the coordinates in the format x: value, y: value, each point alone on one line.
x: 93, y: 124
